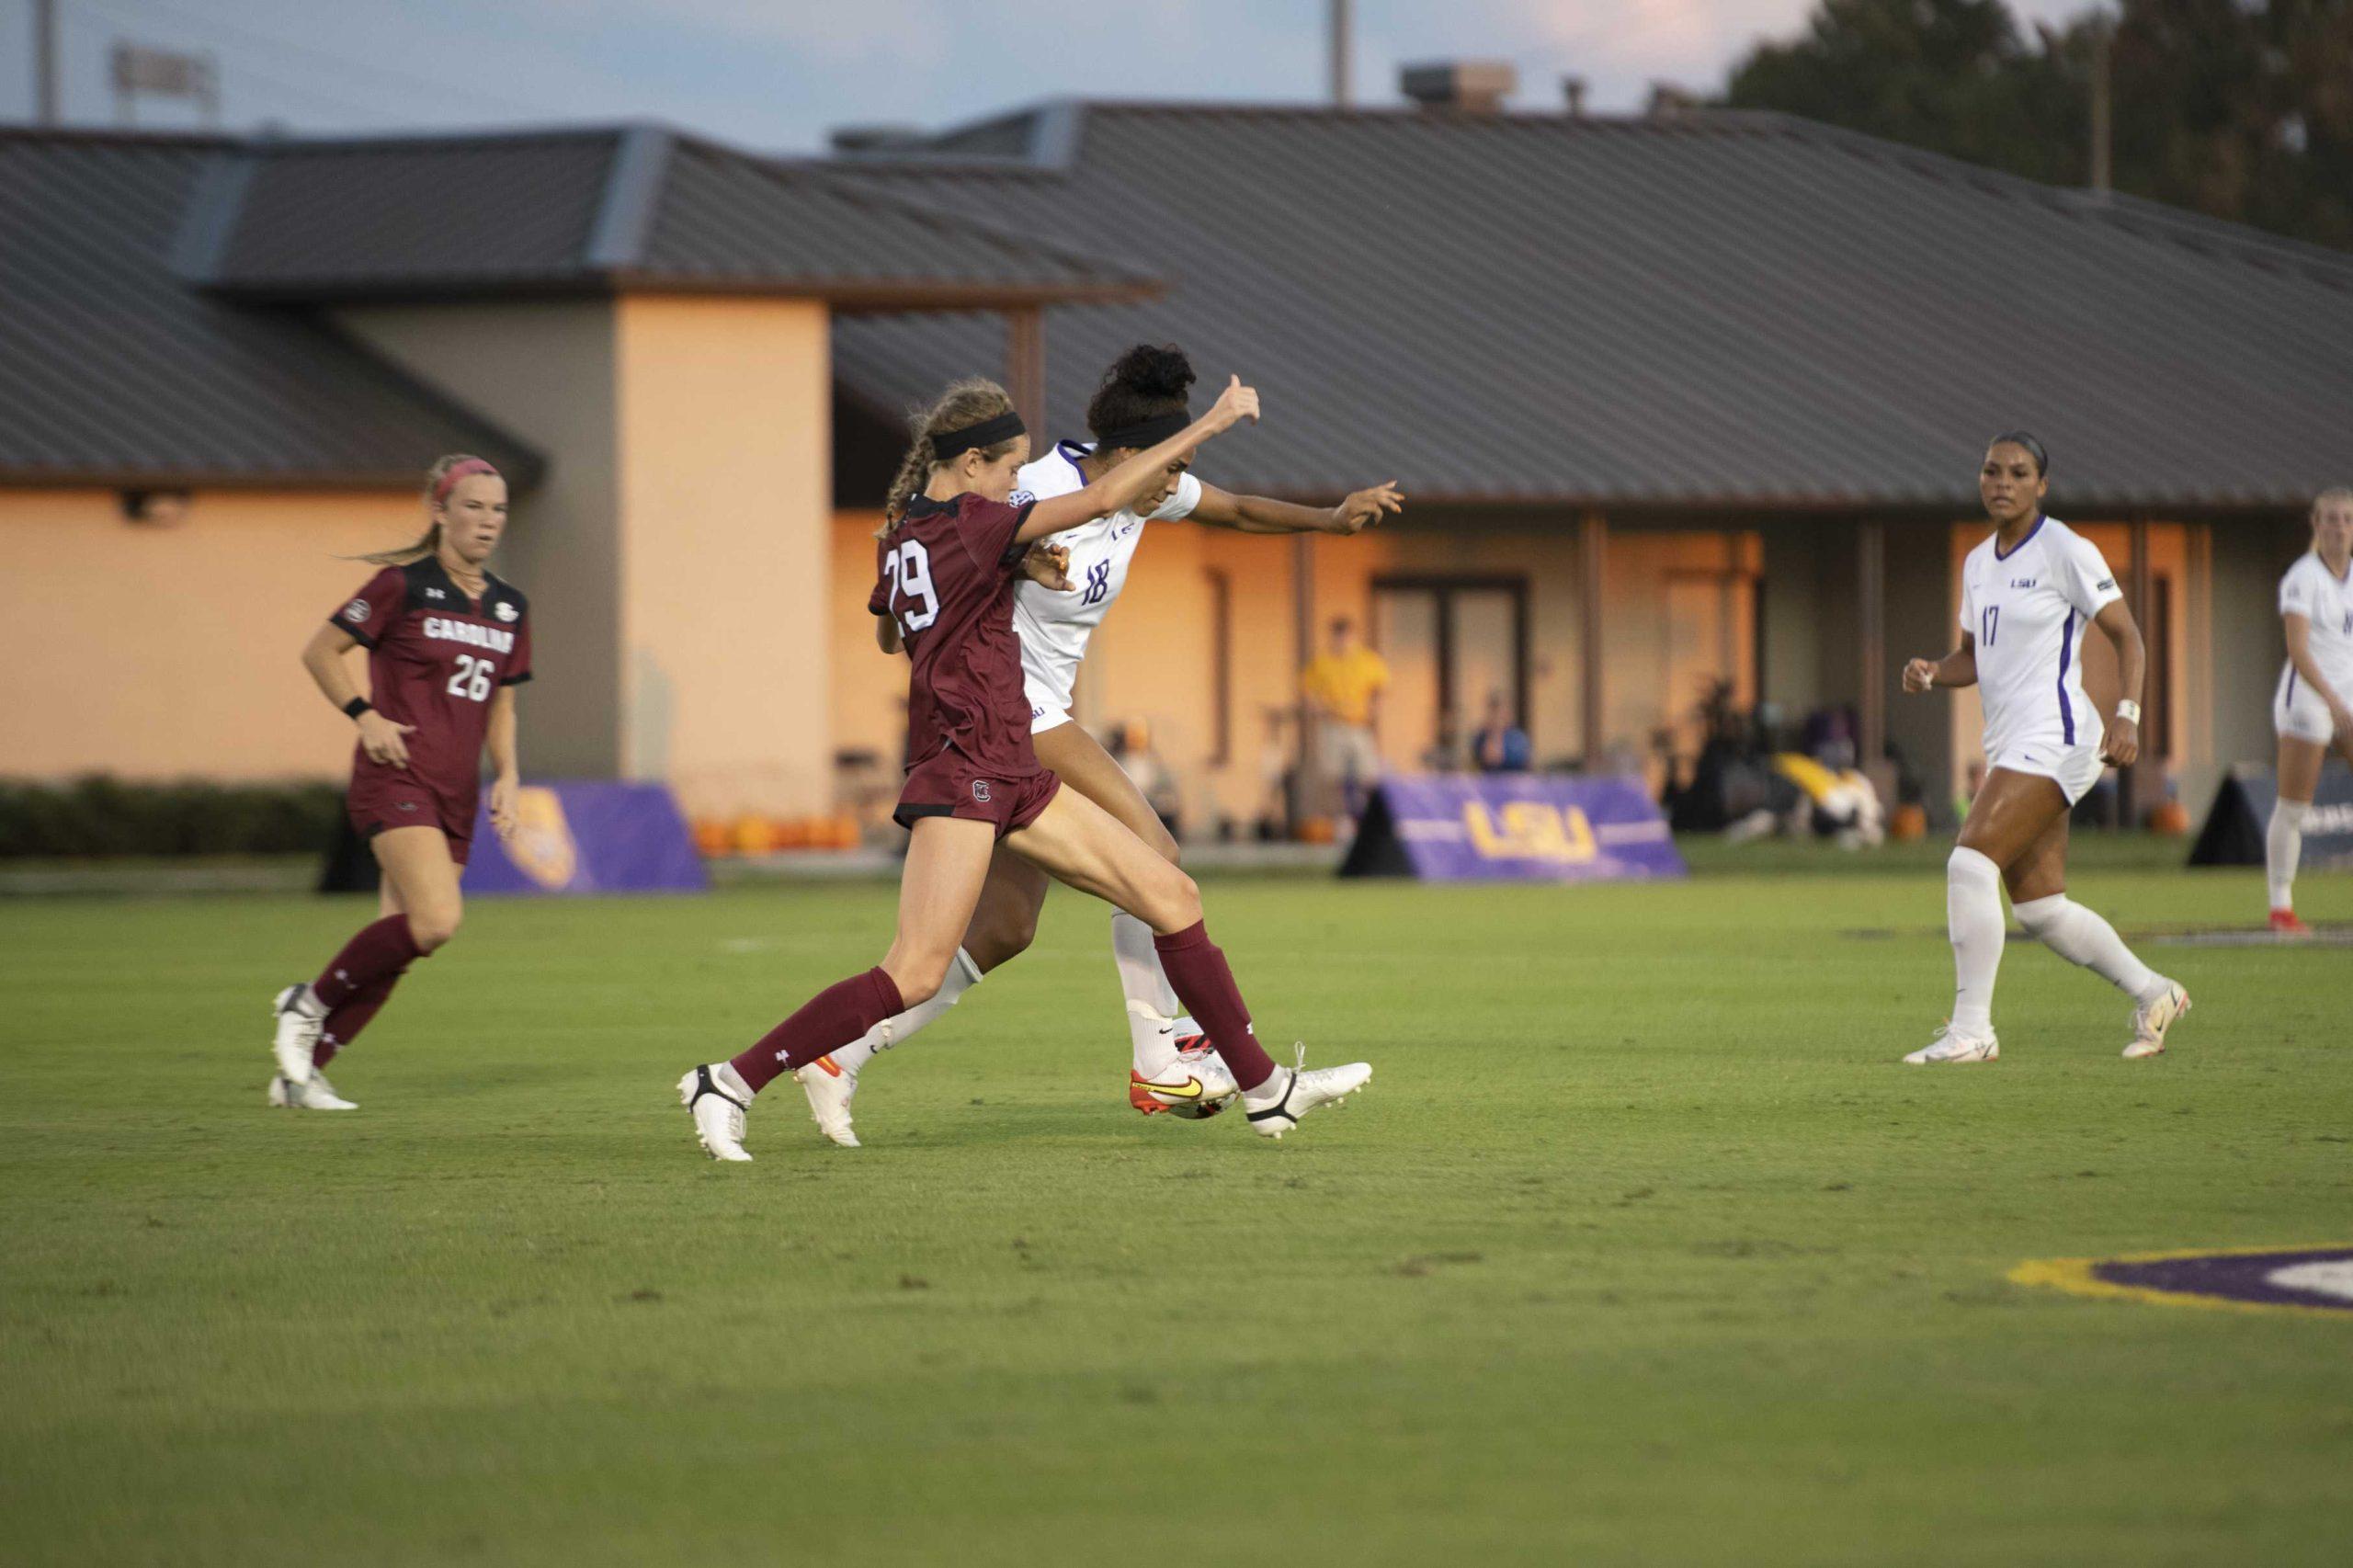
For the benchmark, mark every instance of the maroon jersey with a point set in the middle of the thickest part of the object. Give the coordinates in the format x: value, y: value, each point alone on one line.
x: 435, y: 656
x: 946, y: 575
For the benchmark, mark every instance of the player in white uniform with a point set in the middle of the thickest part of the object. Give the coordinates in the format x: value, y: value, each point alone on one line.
x: 2312, y: 709
x: 1142, y: 399
x: 2026, y: 595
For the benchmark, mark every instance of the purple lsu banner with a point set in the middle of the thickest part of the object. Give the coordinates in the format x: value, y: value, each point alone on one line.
x: 1512, y: 827
x: 587, y: 837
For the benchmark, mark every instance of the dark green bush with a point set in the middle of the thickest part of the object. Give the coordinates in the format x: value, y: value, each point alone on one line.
x: 100, y: 815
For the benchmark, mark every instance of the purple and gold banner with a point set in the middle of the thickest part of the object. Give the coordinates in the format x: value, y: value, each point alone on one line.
x: 587, y: 837
x: 1512, y: 827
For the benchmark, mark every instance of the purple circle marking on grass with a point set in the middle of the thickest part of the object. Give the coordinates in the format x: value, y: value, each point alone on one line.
x: 2304, y: 1276
x: 2266, y: 1279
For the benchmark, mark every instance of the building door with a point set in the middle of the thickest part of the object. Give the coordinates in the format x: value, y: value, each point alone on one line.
x: 1448, y: 643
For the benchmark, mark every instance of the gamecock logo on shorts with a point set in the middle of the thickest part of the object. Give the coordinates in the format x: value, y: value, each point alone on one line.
x: 981, y: 791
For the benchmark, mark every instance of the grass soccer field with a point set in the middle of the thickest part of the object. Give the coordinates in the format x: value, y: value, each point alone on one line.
x: 1640, y: 1247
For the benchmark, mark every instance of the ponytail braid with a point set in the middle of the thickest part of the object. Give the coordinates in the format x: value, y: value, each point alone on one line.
x: 965, y: 404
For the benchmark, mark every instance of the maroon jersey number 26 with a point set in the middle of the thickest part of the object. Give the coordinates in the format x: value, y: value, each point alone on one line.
x: 435, y: 655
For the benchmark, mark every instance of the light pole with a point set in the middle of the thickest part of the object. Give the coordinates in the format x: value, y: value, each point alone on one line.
x: 45, y: 61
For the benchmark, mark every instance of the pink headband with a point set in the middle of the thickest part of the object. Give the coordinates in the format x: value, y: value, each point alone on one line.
x: 458, y: 471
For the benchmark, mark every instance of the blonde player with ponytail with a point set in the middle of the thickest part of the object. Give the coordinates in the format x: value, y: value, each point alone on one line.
x: 448, y: 642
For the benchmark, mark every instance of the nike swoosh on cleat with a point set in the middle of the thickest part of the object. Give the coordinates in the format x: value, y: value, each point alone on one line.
x: 1190, y: 1089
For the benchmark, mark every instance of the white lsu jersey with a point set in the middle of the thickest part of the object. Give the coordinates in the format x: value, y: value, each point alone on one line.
x: 2325, y: 600
x: 1054, y: 625
x: 2029, y: 611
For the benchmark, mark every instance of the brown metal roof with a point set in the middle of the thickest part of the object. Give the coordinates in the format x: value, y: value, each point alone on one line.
x: 1715, y: 311
x: 113, y: 371
x: 597, y: 210
x: 154, y: 289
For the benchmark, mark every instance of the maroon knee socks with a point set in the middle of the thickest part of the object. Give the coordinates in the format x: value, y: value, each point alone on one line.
x: 827, y: 1021
x: 1197, y: 971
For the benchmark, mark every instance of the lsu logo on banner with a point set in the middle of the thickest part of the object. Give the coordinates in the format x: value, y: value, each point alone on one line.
x: 1529, y: 830
x: 543, y: 848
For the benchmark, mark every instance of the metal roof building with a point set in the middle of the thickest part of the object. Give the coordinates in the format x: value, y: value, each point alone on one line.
x: 157, y: 292
x: 1718, y: 310
x: 1603, y: 359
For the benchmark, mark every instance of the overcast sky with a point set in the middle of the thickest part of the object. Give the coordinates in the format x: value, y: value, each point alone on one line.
x: 779, y: 74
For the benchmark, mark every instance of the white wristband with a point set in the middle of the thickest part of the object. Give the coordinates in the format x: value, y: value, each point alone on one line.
x: 2128, y: 711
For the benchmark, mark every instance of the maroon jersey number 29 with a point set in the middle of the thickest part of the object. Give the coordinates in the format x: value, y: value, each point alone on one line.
x: 947, y: 574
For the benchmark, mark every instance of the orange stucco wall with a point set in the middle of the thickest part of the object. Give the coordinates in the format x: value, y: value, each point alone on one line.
x: 158, y: 652
x: 725, y: 446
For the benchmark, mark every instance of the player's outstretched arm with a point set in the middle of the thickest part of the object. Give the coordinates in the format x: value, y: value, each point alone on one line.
x: 2122, y: 744
x: 1956, y: 669
x: 1359, y: 510
x: 1125, y: 485
x: 322, y: 656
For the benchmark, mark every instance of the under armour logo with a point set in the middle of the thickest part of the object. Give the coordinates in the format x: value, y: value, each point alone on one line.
x: 343, y: 974
x: 405, y: 806
x: 980, y: 791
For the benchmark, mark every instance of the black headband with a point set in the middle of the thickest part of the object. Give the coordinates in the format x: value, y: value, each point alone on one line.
x: 1144, y: 434
x: 987, y: 433
x: 2033, y: 449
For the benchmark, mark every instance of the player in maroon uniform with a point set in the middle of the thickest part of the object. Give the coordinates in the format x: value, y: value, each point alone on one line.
x: 949, y: 558
x: 446, y: 644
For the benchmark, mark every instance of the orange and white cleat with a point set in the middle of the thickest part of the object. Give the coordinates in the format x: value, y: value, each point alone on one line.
x: 830, y: 1088
x: 1196, y: 1085
x: 2284, y: 923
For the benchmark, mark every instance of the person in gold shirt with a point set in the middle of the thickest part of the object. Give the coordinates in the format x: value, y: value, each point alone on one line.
x: 1344, y: 684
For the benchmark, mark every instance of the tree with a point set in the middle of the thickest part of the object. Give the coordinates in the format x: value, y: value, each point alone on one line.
x: 1952, y: 75
x: 2238, y: 110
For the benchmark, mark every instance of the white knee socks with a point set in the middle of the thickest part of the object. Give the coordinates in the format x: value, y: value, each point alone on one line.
x: 2283, y: 846
x: 962, y: 975
x: 2081, y: 937
x: 1154, y: 1015
x: 1974, y: 917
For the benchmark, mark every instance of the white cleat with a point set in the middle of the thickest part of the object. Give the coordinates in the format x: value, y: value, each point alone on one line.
x: 1951, y: 1045
x: 719, y: 1116
x: 830, y: 1088
x: 316, y: 1095
x: 2151, y: 1019
x: 1276, y: 1106
x: 299, y: 1018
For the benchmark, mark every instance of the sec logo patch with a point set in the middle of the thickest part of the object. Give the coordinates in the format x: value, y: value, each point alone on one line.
x: 357, y: 610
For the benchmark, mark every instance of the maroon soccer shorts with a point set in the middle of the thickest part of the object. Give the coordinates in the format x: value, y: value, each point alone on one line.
x: 949, y: 786
x: 380, y: 799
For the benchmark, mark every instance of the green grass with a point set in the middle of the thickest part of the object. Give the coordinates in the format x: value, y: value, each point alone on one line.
x: 1642, y: 1248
